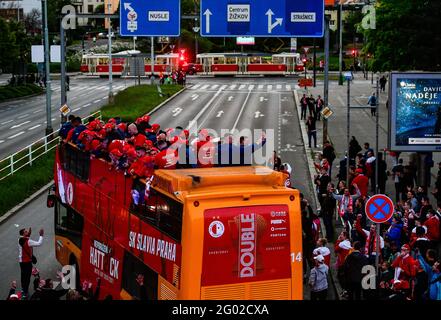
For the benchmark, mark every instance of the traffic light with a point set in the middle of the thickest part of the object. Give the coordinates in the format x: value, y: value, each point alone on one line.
x: 354, y: 52
x: 305, y: 60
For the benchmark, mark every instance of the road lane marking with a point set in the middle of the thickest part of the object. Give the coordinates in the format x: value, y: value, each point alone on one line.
x: 86, y: 105
x: 241, y: 111
x: 1, y: 141
x: 232, y: 87
x: 288, y: 87
x: 37, y: 111
x: 177, y: 111
x: 194, y: 87
x: 260, y: 87
x: 270, y: 87
x: 220, y: 113
x: 7, y: 122
x: 16, y: 135
x: 230, y: 98
x: 96, y: 101
x: 205, y: 87
x: 194, y: 121
x: 214, y: 87
x: 242, y: 86
x: 34, y: 127
x: 258, y: 114
x: 279, y: 87
x: 251, y: 87
x: 76, y: 109
x: 194, y: 97
x: 19, y: 125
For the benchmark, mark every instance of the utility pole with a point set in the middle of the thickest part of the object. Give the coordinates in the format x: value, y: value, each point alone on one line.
x: 109, y: 34
x: 63, y: 69
x: 49, y: 128
x: 152, y: 57
x: 377, y: 118
x: 326, y: 84
x: 348, y: 129
x: 314, y: 58
x: 340, y: 55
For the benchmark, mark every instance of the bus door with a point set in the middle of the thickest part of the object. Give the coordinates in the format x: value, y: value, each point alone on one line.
x: 243, y: 63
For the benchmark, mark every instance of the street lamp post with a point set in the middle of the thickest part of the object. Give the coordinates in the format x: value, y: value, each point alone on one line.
x: 109, y: 34
x: 340, y: 60
x: 49, y: 128
x: 196, y: 48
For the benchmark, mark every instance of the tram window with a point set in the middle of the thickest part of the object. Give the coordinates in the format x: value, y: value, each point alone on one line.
x: 69, y: 223
x: 231, y: 60
x: 278, y: 60
x: 215, y: 60
x: 133, y: 268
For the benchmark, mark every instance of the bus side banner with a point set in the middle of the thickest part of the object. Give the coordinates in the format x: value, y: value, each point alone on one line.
x: 246, y: 244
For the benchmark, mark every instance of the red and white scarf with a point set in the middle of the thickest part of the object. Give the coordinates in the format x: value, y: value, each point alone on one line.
x: 345, y: 200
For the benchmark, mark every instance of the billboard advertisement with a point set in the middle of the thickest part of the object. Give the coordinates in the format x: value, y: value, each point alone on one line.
x: 245, y: 41
x: 415, y: 112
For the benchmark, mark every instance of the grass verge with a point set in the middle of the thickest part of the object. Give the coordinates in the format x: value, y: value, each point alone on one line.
x: 11, y: 92
x: 142, y: 99
x: 16, y: 188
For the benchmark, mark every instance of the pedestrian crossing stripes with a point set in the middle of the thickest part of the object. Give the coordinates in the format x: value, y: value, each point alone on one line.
x: 244, y: 87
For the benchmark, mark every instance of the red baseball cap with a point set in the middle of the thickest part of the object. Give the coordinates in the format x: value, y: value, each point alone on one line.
x: 116, y: 153
x: 359, y: 170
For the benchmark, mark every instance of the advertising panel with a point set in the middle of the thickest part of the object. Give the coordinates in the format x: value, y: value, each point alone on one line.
x: 246, y: 244
x: 415, y: 112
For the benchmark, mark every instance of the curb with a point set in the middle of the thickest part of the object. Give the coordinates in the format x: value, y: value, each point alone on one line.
x: 28, y: 200
x: 311, y: 167
x: 167, y: 101
x: 312, y: 172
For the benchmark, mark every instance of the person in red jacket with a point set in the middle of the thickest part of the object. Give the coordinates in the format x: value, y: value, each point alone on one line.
x: 342, y: 248
x: 432, y: 224
x: 405, y: 266
x: 26, y: 257
x: 204, y: 150
x: 370, y: 237
x: 361, y: 181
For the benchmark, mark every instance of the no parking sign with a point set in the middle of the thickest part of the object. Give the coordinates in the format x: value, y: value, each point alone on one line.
x: 379, y: 208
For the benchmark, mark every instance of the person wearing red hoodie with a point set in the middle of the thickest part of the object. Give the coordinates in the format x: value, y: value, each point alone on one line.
x: 432, y: 224
x: 342, y: 248
x: 405, y: 266
x: 361, y: 181
x: 370, y: 237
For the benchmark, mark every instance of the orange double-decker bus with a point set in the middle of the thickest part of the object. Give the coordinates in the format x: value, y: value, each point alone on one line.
x: 211, y: 233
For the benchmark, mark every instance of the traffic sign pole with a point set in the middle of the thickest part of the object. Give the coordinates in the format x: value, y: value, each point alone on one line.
x: 377, y: 254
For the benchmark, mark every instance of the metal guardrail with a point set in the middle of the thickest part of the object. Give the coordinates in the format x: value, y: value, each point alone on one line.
x: 27, y: 155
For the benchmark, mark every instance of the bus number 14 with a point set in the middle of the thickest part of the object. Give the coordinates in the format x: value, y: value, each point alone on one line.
x: 296, y: 257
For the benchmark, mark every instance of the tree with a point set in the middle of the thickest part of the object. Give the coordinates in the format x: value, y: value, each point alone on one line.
x: 54, y: 12
x: 407, y: 35
x: 8, y: 49
x: 32, y: 21
x: 99, y: 9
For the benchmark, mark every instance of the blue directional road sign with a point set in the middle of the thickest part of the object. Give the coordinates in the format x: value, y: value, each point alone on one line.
x: 152, y: 18
x: 262, y: 18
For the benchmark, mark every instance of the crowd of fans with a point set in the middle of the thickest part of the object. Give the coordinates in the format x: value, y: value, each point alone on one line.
x: 408, y: 246
x: 140, y: 147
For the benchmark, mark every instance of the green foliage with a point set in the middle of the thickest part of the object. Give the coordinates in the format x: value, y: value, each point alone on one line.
x: 407, y: 35
x: 15, y: 189
x: 142, y: 100
x: 8, y: 48
x: 11, y: 92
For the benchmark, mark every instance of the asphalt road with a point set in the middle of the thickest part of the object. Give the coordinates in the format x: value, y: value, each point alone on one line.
x: 24, y: 121
x: 225, y: 103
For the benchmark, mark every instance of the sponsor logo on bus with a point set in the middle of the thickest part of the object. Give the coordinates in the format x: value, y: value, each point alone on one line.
x: 216, y: 229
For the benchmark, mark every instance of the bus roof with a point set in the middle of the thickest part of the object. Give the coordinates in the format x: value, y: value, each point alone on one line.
x: 180, y: 180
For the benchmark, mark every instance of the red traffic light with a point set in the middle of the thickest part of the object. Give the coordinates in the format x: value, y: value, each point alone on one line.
x: 304, y: 60
x: 354, y: 52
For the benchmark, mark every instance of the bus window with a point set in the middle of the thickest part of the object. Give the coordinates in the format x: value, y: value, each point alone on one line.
x: 159, y: 210
x: 132, y: 269
x: 68, y: 223
x: 76, y: 161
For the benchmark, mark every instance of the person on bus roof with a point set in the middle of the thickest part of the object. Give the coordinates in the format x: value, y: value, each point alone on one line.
x: 78, y: 127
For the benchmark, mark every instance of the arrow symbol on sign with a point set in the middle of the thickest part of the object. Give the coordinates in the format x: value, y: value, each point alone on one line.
x: 272, y: 25
x: 128, y: 7
x: 219, y: 114
x: 207, y: 15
